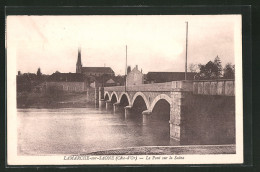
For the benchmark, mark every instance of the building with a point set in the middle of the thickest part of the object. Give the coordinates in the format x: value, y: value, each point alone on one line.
x: 107, y: 81
x: 110, y: 82
x: 92, y: 71
x: 160, y: 77
x: 135, y: 77
x: 40, y: 88
x: 71, y: 82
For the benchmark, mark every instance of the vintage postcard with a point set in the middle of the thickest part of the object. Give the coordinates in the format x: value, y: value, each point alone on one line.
x: 124, y: 89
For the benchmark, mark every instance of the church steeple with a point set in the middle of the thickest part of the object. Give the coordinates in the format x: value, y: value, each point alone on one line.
x: 79, y: 64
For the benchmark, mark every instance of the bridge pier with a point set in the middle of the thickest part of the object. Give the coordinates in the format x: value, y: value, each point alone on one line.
x: 96, y: 97
x: 178, y: 110
x: 101, y: 97
x: 116, y: 107
x: 127, y: 111
x: 108, y: 105
x: 102, y: 103
x: 146, y: 116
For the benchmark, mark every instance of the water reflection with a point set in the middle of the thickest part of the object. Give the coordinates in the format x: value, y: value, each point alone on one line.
x: 83, y: 130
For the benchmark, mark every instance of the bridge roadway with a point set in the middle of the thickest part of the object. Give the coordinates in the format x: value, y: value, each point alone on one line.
x: 176, y: 93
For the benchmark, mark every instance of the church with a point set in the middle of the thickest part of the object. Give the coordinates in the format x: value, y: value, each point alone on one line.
x: 92, y: 71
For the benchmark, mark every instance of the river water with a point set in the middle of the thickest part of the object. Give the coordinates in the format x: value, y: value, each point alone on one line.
x: 85, y: 130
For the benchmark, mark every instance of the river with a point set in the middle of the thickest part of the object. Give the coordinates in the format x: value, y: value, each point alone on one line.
x: 85, y: 130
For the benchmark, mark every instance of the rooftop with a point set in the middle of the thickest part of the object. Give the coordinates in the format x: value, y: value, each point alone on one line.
x: 168, y: 76
x: 97, y: 69
x: 67, y: 77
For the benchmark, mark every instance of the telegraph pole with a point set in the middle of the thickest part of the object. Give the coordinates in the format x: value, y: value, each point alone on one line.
x: 125, y: 65
x: 186, y: 50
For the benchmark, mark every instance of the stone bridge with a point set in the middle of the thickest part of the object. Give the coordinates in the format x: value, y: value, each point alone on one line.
x: 186, y: 100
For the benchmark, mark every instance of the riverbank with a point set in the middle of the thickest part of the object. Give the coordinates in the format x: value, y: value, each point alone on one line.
x: 171, y: 150
x: 45, y: 100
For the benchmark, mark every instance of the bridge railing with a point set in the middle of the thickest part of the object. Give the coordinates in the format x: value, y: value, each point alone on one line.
x: 115, y: 88
x: 166, y: 86
x: 202, y: 87
x: 214, y: 87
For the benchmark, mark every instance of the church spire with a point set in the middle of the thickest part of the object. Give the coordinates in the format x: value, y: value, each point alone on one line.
x: 79, y: 64
x: 79, y: 56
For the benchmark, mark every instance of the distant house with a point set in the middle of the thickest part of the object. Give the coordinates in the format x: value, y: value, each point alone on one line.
x: 135, y: 77
x: 71, y: 82
x: 160, y: 77
x: 107, y: 81
x: 111, y: 82
x: 40, y: 88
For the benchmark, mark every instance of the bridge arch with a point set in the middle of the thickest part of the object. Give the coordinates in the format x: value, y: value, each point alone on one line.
x: 144, y: 98
x: 128, y: 98
x: 114, y: 93
x: 107, y: 96
x: 159, y: 97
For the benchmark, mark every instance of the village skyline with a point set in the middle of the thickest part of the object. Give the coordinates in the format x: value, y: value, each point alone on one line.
x: 154, y: 43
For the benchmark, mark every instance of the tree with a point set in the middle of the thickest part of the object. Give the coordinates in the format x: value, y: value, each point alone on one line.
x: 39, y: 72
x: 212, y: 70
x: 218, y: 71
x: 193, y: 68
x: 207, y: 71
x: 229, y: 71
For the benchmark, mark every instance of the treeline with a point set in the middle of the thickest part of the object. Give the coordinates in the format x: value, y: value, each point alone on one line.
x: 213, y: 70
x: 27, y: 81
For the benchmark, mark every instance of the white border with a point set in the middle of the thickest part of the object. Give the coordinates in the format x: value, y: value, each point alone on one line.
x: 13, y: 159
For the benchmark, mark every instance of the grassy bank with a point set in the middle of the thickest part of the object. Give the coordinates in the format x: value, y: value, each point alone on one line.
x: 52, y: 100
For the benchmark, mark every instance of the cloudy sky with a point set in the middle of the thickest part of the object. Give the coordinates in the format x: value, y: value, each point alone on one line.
x: 155, y: 43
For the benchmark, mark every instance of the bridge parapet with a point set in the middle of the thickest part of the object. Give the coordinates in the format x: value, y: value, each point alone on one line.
x: 216, y: 87
x: 166, y: 86
x: 115, y: 88
x: 182, y: 86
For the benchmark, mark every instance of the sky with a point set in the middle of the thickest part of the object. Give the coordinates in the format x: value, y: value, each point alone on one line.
x: 154, y: 42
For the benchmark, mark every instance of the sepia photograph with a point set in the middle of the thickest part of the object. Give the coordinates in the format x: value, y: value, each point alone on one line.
x: 124, y: 89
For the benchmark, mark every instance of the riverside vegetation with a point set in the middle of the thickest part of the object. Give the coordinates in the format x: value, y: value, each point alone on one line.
x: 51, y: 98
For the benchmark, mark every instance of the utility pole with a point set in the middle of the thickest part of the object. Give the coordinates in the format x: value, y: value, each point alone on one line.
x: 186, y: 50
x: 125, y: 65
